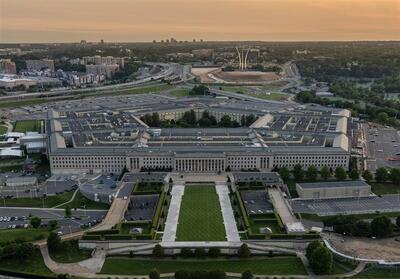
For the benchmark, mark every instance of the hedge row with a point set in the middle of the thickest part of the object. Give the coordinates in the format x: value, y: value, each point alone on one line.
x: 243, y: 211
x: 144, y: 237
x: 118, y: 237
x: 24, y: 274
x: 91, y: 237
x: 294, y: 236
x: 264, y: 220
x: 111, y: 231
x: 158, y: 210
x: 256, y: 236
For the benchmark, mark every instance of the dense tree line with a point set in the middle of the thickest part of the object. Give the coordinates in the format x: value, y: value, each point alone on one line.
x: 380, y: 226
x: 386, y: 112
x: 189, y: 119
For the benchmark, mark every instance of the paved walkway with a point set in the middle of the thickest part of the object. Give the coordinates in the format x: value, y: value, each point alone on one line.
x: 87, y: 268
x: 232, y: 233
x: 171, y: 223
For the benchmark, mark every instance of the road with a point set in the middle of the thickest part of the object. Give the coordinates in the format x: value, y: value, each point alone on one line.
x: 172, y: 70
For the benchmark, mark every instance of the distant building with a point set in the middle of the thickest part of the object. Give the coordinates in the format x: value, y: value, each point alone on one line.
x: 106, y: 70
x: 38, y: 65
x: 7, y: 67
x: 340, y: 189
x: 82, y: 79
x: 106, y: 60
x: 203, y: 53
x: 10, y: 81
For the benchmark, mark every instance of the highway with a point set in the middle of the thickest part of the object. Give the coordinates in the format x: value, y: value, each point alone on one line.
x: 169, y: 71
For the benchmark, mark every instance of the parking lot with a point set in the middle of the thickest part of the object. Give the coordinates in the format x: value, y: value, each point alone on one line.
x: 383, y: 147
x: 12, y: 218
x: 256, y: 202
x: 336, y: 206
x: 141, y: 207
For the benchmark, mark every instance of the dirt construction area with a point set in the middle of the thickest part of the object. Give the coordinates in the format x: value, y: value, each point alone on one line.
x: 249, y: 76
x: 387, y: 249
x: 216, y: 75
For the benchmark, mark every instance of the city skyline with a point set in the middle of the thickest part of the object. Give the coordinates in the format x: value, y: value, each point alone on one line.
x: 135, y: 21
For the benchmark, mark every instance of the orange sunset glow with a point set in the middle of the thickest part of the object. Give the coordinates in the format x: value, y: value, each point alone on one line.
x: 145, y: 20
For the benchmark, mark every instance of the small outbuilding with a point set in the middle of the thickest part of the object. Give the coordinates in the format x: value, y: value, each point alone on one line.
x: 337, y: 189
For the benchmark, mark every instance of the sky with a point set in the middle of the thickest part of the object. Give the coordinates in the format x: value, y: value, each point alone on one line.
x: 147, y: 20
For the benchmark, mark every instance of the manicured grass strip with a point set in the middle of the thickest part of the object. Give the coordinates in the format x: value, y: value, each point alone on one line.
x: 200, y: 217
x: 22, y: 103
x: 180, y: 93
x: 3, y: 130
x: 379, y: 273
x: 28, y: 126
x: 49, y: 201
x: 70, y: 253
x: 34, y: 265
x: 25, y: 235
x: 273, y: 266
x: 80, y: 201
x: 384, y: 188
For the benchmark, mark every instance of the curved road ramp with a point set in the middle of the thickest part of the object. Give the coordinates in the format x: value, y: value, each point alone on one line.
x: 282, y: 207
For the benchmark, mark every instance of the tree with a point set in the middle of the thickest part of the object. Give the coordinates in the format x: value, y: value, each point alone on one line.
x: 226, y: 121
x: 67, y: 212
x: 325, y: 173
x: 53, y: 224
x: 186, y: 252
x: 312, y: 173
x: 340, y: 173
x: 158, y: 251
x: 367, y: 175
x: 362, y: 228
x: 154, y: 274
x: 35, y: 222
x: 321, y: 261
x: 214, y: 252
x: 200, y: 253
x: 247, y: 275
x: 284, y: 173
x: 354, y: 175
x: 53, y: 242
x: 312, y: 247
x: 244, y: 251
x: 24, y: 251
x: 382, y: 117
x: 381, y: 226
x: 394, y: 176
x: 381, y: 175
x: 398, y: 221
x: 298, y: 172
x: 182, y: 274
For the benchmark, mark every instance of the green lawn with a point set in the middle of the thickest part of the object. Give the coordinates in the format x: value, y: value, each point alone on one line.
x: 81, y: 200
x: 275, y: 266
x: 148, y: 187
x: 133, y: 91
x: 341, y: 266
x: 200, y: 217
x: 28, y: 126
x: 378, y: 273
x: 256, y: 226
x: 384, y: 188
x: 33, y: 265
x: 50, y: 201
x: 70, y: 253
x: 22, y: 103
x: 3, y: 130
x: 179, y: 92
x: 26, y: 235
